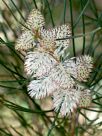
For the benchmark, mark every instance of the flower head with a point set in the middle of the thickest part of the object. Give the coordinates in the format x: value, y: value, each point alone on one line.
x: 29, y: 37
x: 59, y: 32
x: 25, y: 41
x: 54, y: 78
x: 35, y: 20
x: 50, y: 76
x: 61, y: 78
x: 38, y: 64
x: 59, y: 35
x: 79, y: 67
x: 85, y: 98
x: 41, y: 88
x: 54, y: 41
x: 49, y: 73
x: 66, y: 100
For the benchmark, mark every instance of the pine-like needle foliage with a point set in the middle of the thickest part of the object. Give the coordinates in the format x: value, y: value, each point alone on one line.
x: 52, y: 51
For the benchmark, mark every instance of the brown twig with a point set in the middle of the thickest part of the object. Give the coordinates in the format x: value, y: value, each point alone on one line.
x: 73, y: 123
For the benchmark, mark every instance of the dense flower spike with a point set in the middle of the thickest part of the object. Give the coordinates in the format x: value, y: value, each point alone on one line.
x: 42, y: 87
x: 60, y: 37
x: 54, y: 78
x: 29, y: 37
x: 37, y: 64
x: 79, y: 68
x: 65, y: 100
x: 53, y: 40
x: 25, y: 41
x: 35, y: 20
x: 85, y: 98
x: 50, y: 76
x: 61, y: 78
x: 59, y: 32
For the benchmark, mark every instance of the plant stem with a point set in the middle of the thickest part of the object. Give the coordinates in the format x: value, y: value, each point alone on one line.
x: 73, y: 124
x: 35, y: 4
x: 83, y: 23
x: 64, y: 14
x: 78, y: 19
x: 18, y: 10
x: 71, y: 14
x: 47, y: 3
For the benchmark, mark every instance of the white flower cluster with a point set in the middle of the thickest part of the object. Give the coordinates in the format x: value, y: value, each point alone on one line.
x: 50, y: 76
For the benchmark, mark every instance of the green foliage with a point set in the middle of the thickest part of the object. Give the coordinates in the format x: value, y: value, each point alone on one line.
x: 22, y: 116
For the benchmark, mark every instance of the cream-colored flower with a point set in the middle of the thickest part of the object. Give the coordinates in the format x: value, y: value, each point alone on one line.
x: 54, y: 41
x: 54, y: 78
x: 47, y: 43
x: 79, y: 67
x: 66, y: 100
x: 35, y: 20
x: 38, y: 64
x: 29, y: 37
x: 25, y: 41
x: 49, y: 74
x: 60, y: 36
x: 59, y: 32
x: 41, y: 88
x: 61, y: 77
x: 85, y: 98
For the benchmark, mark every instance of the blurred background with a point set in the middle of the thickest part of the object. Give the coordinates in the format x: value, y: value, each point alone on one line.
x: 19, y: 114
